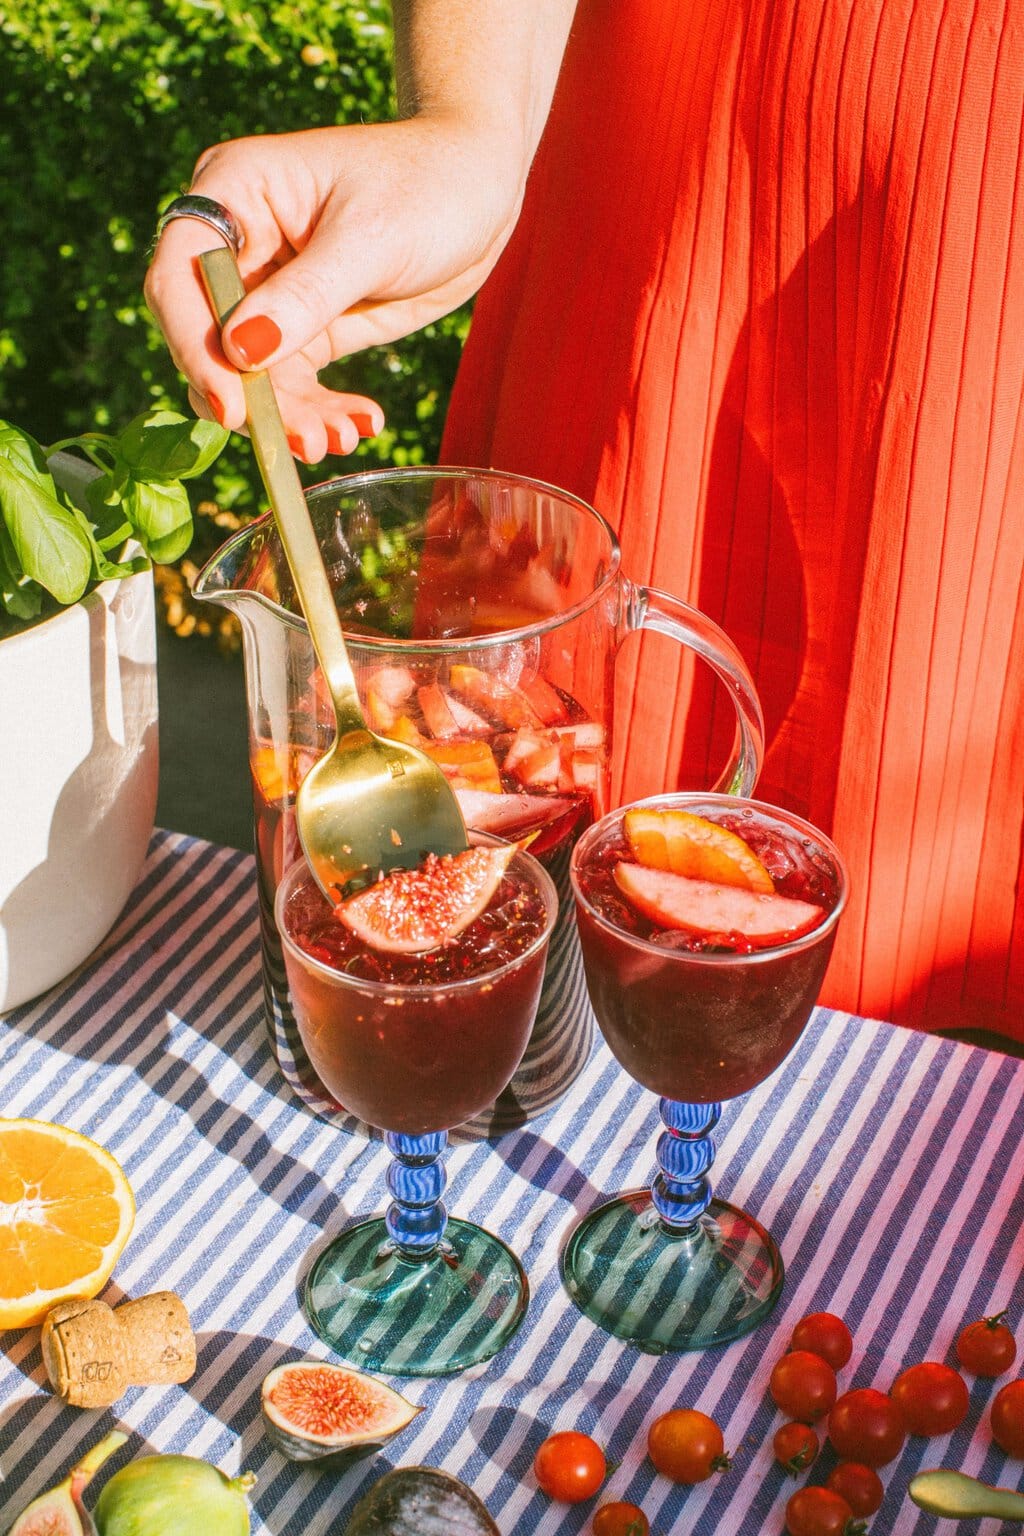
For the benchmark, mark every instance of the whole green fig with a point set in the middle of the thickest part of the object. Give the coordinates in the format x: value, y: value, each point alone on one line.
x: 173, y: 1496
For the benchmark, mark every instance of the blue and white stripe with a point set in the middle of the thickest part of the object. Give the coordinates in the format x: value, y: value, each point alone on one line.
x: 886, y: 1164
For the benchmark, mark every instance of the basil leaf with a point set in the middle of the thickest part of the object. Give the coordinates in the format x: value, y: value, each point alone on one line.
x: 162, y: 446
x: 21, y: 599
x: 25, y: 454
x: 48, y: 543
x: 161, y: 518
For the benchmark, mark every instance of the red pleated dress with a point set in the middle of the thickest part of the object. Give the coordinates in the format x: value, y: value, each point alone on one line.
x: 764, y: 309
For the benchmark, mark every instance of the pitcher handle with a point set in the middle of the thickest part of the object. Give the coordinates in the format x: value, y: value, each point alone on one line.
x: 650, y: 608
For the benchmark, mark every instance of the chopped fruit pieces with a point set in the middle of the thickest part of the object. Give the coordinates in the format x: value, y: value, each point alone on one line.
x: 387, y: 690
x: 545, y: 700
x: 441, y: 723
x: 280, y: 770
x: 689, y: 845
x: 404, y: 729
x: 466, y: 764
x: 414, y: 910
x: 704, y: 907
x: 482, y: 690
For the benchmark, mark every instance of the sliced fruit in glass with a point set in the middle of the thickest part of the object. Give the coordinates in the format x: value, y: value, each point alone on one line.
x: 417, y: 1040
x: 701, y: 987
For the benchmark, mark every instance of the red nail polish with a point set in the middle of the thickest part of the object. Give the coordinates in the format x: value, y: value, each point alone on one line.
x: 216, y: 406
x: 295, y: 444
x: 334, y: 442
x: 255, y: 339
x: 364, y: 424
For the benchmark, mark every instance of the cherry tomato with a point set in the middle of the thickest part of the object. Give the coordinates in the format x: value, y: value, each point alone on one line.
x: 795, y: 1447
x: 1008, y: 1418
x: 867, y: 1426
x: 621, y: 1520
x: 818, y: 1512
x: 932, y: 1398
x: 803, y: 1385
x: 987, y: 1348
x: 826, y: 1335
x: 859, y: 1485
x: 686, y: 1446
x: 569, y: 1466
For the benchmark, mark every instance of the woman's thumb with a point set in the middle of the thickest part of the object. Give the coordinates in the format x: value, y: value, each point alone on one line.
x: 286, y: 311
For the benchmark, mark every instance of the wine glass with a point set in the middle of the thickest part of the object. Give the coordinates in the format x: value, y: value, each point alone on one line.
x: 415, y: 1045
x: 696, y: 1020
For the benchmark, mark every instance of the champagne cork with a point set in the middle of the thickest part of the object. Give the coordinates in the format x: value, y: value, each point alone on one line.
x: 93, y: 1353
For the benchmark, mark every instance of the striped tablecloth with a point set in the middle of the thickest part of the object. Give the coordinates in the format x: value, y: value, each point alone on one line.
x: 886, y: 1163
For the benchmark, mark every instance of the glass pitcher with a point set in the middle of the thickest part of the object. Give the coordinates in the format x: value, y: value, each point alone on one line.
x: 483, y: 613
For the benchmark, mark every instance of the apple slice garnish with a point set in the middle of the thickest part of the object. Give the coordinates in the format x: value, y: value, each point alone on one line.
x: 688, y: 845
x: 706, y: 908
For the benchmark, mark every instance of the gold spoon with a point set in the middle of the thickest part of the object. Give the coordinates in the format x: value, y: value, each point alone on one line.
x: 369, y: 805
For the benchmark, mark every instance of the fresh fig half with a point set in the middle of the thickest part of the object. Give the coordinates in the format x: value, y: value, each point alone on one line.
x: 420, y: 1501
x: 413, y: 910
x: 330, y: 1414
x: 59, y: 1511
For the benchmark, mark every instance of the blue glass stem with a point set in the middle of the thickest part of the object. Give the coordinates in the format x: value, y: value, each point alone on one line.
x: 417, y: 1217
x: 681, y: 1192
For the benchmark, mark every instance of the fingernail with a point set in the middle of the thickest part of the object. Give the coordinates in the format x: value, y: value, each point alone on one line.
x: 255, y: 339
x: 216, y: 406
x: 365, y: 424
x: 295, y: 444
x: 335, y: 443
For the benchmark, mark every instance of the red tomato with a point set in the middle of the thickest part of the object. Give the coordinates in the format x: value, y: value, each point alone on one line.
x: 859, y: 1485
x: 826, y: 1335
x: 803, y: 1385
x: 621, y: 1520
x: 867, y: 1426
x: 795, y: 1447
x: 686, y: 1446
x: 987, y: 1348
x: 932, y: 1398
x: 569, y: 1466
x: 818, y: 1512
x: 1008, y: 1418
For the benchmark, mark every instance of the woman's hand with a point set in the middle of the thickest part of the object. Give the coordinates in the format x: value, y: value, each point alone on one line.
x: 353, y: 236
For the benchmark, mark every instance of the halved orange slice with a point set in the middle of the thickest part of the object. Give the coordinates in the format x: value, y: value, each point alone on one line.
x: 66, y: 1211
x: 688, y: 845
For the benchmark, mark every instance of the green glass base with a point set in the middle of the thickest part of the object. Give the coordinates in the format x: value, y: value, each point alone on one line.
x: 667, y: 1291
x: 424, y: 1317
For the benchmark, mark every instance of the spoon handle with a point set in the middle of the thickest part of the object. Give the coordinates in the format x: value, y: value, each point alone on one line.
x: 225, y: 289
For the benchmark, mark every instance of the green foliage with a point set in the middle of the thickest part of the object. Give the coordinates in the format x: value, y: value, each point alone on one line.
x: 105, y: 106
x: 54, y: 547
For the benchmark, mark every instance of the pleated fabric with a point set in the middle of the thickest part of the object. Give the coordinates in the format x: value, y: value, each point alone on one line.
x: 765, y: 310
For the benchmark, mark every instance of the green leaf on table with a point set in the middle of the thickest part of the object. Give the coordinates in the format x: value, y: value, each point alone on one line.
x: 162, y: 446
x: 48, y: 543
x: 161, y: 518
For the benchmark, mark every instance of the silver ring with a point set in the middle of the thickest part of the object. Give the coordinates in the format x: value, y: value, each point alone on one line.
x: 192, y: 206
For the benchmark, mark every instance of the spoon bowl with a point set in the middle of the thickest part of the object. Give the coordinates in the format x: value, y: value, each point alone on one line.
x: 369, y: 804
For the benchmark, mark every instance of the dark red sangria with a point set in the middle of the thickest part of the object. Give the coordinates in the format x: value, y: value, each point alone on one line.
x: 415, y: 998
x: 706, y: 933
x: 706, y: 924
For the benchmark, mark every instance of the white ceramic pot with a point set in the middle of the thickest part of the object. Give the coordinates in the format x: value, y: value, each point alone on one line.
x: 78, y: 780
